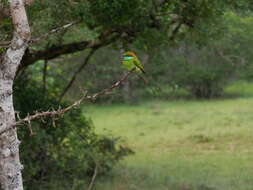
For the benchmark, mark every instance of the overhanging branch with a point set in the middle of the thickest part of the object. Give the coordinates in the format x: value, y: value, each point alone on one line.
x: 53, y: 52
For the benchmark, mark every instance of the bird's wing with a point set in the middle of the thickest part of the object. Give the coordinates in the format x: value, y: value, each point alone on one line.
x: 137, y: 63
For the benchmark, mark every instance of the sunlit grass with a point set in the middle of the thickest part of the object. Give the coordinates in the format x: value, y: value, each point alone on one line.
x: 184, y: 144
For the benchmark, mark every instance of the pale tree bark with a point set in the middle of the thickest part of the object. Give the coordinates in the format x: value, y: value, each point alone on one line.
x: 5, y: 12
x: 10, y: 166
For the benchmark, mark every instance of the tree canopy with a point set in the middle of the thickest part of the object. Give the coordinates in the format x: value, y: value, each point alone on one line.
x: 101, y: 22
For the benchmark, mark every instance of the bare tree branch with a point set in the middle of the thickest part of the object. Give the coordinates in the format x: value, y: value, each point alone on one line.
x: 93, y: 177
x: 60, y: 112
x: 175, y: 31
x: 28, y: 2
x: 55, y: 51
x: 55, y: 30
x: 5, y: 44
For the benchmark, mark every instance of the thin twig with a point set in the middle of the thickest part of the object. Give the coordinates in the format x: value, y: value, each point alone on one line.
x: 93, y: 177
x: 5, y: 44
x: 175, y: 31
x: 70, y: 83
x: 55, y: 30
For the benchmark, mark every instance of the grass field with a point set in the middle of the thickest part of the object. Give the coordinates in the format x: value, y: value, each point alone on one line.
x: 182, y: 144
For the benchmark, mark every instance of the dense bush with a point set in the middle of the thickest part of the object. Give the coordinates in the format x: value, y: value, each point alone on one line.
x: 203, y: 82
x: 64, y: 150
x: 201, y: 71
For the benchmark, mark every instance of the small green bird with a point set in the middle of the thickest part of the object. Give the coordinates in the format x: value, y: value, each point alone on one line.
x: 131, y: 61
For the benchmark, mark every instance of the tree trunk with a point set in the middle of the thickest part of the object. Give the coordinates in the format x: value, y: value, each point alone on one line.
x: 10, y: 166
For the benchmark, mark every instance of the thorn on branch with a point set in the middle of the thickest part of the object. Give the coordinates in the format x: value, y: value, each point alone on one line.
x: 30, y: 128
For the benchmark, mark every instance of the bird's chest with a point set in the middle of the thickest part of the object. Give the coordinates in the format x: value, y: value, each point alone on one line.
x: 129, y: 64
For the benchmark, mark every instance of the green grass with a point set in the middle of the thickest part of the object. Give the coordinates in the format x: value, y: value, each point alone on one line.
x: 182, y: 145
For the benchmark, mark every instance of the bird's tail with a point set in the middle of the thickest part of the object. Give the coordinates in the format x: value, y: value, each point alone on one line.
x: 142, y: 70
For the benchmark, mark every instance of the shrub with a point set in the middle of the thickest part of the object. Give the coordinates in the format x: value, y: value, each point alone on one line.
x: 64, y: 148
x: 204, y: 82
x: 201, y: 71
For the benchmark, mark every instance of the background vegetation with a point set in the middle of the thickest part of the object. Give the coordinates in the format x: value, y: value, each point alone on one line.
x: 188, y: 128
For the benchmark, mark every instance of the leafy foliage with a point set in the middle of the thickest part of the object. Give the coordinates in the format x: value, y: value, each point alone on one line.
x: 202, y: 72
x: 116, y: 13
x: 65, y: 148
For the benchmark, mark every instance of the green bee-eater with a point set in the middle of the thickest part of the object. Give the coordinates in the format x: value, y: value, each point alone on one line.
x: 131, y: 61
